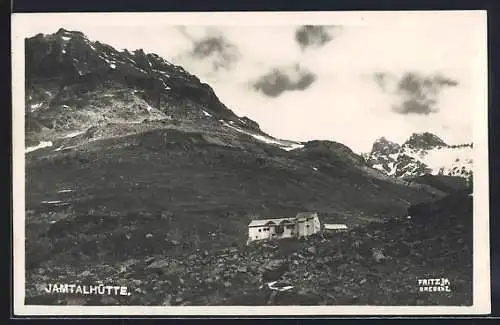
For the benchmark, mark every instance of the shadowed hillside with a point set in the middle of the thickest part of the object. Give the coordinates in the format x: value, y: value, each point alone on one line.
x: 376, y: 264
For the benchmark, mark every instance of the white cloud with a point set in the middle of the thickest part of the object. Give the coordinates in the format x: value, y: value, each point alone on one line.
x: 344, y: 104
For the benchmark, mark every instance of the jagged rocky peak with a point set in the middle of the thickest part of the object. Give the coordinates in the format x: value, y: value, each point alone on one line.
x: 63, y: 31
x: 425, y: 141
x: 423, y: 153
x: 66, y: 62
x: 384, y: 146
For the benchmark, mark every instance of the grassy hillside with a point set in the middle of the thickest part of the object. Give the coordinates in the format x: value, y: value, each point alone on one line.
x: 445, y: 183
x: 193, y: 187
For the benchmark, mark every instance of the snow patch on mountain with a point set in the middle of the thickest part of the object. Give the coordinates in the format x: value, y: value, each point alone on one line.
x: 42, y: 144
x: 445, y: 161
x: 281, y: 144
x: 206, y: 114
x: 65, y: 148
x: 73, y: 134
x: 291, y: 147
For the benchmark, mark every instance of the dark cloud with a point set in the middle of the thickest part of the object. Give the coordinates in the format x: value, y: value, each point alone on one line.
x: 416, y: 106
x: 417, y: 94
x: 206, y: 47
x: 213, y: 48
x: 222, y: 53
x: 381, y: 80
x: 444, y: 81
x: 280, y: 80
x: 317, y: 35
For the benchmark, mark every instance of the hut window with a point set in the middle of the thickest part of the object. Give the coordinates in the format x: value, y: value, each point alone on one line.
x: 260, y: 230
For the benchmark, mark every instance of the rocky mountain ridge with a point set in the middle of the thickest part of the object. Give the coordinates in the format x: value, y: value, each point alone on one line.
x: 73, y: 84
x: 422, y: 154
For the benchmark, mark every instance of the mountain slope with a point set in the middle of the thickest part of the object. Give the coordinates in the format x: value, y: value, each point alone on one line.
x: 330, y: 269
x: 423, y: 153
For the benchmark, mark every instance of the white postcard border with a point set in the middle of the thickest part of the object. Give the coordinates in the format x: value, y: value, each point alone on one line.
x: 481, y: 249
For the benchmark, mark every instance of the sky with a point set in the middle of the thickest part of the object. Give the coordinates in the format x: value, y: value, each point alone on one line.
x: 332, y: 80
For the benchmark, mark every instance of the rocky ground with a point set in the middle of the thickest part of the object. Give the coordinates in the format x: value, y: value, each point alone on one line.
x: 376, y: 264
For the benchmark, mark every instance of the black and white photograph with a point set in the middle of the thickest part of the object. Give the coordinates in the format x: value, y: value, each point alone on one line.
x: 250, y: 163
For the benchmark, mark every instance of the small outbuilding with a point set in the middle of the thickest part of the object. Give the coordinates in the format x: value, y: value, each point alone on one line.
x: 335, y: 227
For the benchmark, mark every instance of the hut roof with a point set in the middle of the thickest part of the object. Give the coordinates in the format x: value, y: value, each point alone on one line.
x: 265, y: 222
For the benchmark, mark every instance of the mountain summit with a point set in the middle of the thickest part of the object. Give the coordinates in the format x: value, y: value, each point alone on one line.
x: 73, y: 83
x: 424, y: 141
x: 383, y: 146
x: 423, y: 153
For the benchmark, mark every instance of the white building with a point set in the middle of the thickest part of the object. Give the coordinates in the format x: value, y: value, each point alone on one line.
x: 302, y: 225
